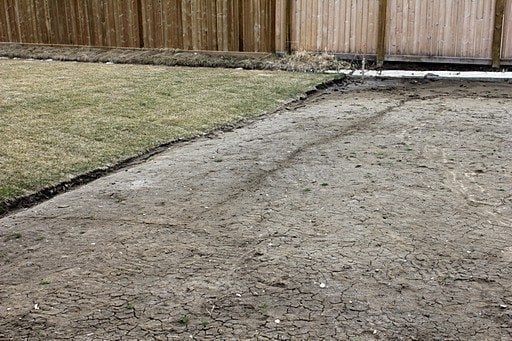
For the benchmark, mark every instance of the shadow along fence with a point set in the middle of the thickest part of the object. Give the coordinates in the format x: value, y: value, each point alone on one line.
x: 474, y: 31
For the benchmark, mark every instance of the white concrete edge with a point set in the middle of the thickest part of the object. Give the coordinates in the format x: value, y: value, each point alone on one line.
x: 474, y: 75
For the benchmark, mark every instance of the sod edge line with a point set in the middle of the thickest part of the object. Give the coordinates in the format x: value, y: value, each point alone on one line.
x: 11, y: 206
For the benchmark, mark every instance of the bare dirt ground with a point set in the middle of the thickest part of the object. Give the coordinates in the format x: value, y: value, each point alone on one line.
x: 373, y: 211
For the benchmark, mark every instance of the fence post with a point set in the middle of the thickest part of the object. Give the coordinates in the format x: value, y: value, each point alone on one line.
x: 381, y: 38
x: 288, y: 24
x: 498, y: 33
x: 140, y: 23
x: 272, y: 33
x: 241, y: 46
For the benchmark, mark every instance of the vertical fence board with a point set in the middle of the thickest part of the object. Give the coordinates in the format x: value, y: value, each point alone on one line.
x: 116, y: 22
x: 234, y: 26
x: 70, y: 22
x: 260, y: 9
x: 109, y: 26
x: 187, y: 24
x: 32, y: 35
x: 148, y: 29
x: 244, y: 10
x: 91, y: 22
x: 119, y: 22
x: 100, y: 13
x: 221, y: 25
x: 201, y: 22
x: 230, y: 29
x: 12, y: 20
x: 21, y: 17
x: 322, y: 25
x: 297, y: 32
x: 250, y: 19
x: 158, y: 22
x: 497, y: 39
x: 205, y: 24
x: 211, y: 26
x: 4, y: 27
x: 331, y: 21
x: 60, y: 23
x: 168, y: 11
x: 194, y: 27
x: 506, y: 51
x: 271, y: 27
x: 198, y: 23
x: 263, y: 9
x: 80, y: 27
x: 133, y: 25
x: 381, y: 33
x: 123, y: 14
x: 310, y: 43
x: 172, y: 24
x: 83, y: 18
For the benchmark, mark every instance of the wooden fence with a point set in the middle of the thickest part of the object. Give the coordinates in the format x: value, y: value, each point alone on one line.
x: 223, y: 25
x: 461, y: 29
x: 70, y: 22
x: 474, y: 31
x: 405, y: 30
x: 346, y: 27
x: 219, y: 25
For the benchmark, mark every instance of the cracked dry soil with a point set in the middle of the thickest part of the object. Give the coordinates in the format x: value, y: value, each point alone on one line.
x: 380, y: 210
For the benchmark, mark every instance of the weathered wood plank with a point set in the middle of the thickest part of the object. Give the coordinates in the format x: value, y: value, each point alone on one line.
x: 382, y: 24
x: 506, y: 51
x: 4, y: 25
x: 497, y: 37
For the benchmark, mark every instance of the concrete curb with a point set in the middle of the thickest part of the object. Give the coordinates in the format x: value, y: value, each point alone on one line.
x: 454, y: 75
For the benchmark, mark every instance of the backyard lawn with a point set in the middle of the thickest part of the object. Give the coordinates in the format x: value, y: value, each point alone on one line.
x: 62, y: 119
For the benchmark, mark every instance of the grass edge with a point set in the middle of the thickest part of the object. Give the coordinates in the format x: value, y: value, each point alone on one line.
x: 10, y: 206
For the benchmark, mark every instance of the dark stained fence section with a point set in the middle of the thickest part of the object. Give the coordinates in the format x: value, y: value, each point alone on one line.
x: 219, y: 25
x: 70, y: 22
x: 216, y: 25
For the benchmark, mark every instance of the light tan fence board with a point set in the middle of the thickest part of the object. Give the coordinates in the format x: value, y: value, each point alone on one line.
x: 441, y: 28
x: 506, y: 51
x: 341, y: 26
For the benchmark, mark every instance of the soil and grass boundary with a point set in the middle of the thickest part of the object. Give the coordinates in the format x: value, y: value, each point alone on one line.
x: 48, y: 192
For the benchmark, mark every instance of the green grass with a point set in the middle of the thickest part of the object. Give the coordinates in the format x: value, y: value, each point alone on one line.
x: 59, y: 120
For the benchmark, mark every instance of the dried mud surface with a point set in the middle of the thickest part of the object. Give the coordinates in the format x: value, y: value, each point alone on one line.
x: 380, y: 210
